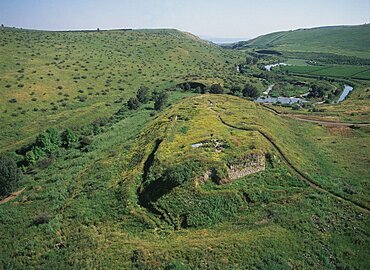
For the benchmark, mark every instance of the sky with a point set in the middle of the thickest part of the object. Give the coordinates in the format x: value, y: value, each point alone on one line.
x: 211, y: 18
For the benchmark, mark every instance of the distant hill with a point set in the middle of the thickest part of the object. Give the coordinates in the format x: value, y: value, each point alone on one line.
x: 343, y: 40
x: 221, y: 40
x: 66, y: 74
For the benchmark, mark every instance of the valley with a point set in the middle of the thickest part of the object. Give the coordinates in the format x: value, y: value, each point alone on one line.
x: 153, y: 149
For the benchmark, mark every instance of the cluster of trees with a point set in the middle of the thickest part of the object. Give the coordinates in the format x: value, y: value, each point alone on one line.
x: 317, y: 91
x: 249, y: 91
x: 143, y: 97
x: 48, y: 143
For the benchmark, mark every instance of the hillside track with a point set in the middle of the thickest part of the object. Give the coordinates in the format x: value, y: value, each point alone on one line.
x: 12, y: 196
x: 303, y: 177
x: 305, y: 118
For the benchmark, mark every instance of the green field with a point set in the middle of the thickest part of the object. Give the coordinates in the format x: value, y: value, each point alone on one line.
x: 355, y: 72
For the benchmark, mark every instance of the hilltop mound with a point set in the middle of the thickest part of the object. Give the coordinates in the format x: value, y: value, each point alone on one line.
x: 213, y: 181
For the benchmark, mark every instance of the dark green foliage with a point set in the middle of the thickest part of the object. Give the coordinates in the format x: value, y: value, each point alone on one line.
x: 48, y: 141
x: 69, y: 138
x: 41, y: 219
x: 142, y: 94
x: 317, y: 91
x: 216, y: 89
x: 250, y: 91
x: 9, y: 175
x: 187, y: 87
x: 235, y: 90
x: 133, y: 103
x: 180, y: 173
x: 160, y: 101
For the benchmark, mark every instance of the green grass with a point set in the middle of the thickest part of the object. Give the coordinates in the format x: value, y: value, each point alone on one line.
x: 137, y: 196
x: 340, y: 40
x: 330, y: 71
x: 268, y: 220
x: 66, y: 79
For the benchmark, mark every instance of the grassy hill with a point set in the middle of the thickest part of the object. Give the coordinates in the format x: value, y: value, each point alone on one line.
x: 214, y: 181
x: 341, y: 40
x: 207, y: 182
x: 67, y: 79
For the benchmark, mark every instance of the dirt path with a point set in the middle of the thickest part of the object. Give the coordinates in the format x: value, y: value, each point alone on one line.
x: 306, y: 118
x: 309, y: 181
x: 12, y: 196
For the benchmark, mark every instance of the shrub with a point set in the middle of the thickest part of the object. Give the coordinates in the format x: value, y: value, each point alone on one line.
x: 235, y: 90
x: 41, y: 219
x: 143, y: 94
x: 133, y: 103
x: 48, y: 141
x: 177, y: 175
x: 160, y: 100
x: 250, y: 91
x: 69, y: 138
x: 216, y: 89
x: 9, y: 175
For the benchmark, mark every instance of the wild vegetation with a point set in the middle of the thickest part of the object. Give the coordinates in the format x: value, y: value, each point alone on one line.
x: 160, y: 159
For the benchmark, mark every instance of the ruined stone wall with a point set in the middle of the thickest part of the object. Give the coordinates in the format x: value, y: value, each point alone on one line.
x: 250, y: 164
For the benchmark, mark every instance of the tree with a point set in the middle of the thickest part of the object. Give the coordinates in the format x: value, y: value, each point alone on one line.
x: 68, y: 138
x: 187, y: 87
x: 9, y: 175
x: 235, y: 90
x: 160, y: 100
x: 133, y: 103
x: 317, y: 91
x: 216, y: 89
x: 250, y: 91
x: 143, y: 94
x: 48, y: 141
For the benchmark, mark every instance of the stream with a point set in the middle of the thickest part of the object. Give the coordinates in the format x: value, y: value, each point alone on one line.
x: 347, y: 89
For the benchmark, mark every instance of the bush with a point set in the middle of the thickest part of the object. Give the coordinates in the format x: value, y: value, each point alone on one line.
x: 216, y: 89
x: 48, y: 141
x: 68, y: 138
x: 142, y: 94
x: 250, y: 91
x: 41, y: 219
x: 160, y: 100
x: 235, y: 90
x: 133, y: 103
x: 9, y: 175
x: 296, y: 106
x: 177, y: 175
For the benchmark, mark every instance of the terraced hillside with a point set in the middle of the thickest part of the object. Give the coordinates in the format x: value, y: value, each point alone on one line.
x: 68, y: 79
x: 213, y: 181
